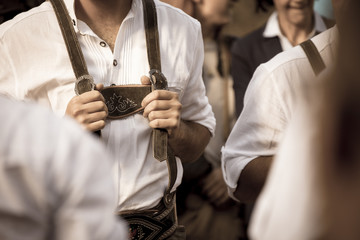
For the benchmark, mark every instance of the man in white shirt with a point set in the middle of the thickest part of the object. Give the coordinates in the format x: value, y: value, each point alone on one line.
x: 54, y: 178
x: 112, y: 37
x: 269, y: 103
x: 292, y: 23
x: 316, y: 194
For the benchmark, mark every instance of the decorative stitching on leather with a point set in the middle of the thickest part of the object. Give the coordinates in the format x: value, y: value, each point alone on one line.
x: 118, y: 103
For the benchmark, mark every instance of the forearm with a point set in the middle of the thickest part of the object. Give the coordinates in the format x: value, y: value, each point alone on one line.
x: 252, y: 179
x: 189, y: 140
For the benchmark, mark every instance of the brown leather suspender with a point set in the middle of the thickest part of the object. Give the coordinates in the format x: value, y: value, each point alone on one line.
x: 314, y: 56
x: 161, y: 149
x: 85, y: 82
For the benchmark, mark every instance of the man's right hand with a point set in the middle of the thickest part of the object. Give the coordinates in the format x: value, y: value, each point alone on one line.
x: 89, y: 109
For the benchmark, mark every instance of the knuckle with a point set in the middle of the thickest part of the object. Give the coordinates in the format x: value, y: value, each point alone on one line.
x: 81, y: 119
x: 175, y: 95
x: 176, y: 115
x: 101, y: 124
x: 155, y: 105
x: 157, y: 94
x: 75, y: 112
x: 103, y: 115
x: 156, y: 123
x: 151, y: 116
x: 178, y: 105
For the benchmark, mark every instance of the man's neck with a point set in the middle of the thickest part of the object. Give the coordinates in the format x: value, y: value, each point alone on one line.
x: 104, y: 17
x: 296, y: 34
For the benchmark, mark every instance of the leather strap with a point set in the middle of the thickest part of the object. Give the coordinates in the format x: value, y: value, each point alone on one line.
x: 161, y: 149
x: 158, y: 80
x: 314, y: 56
x: 84, y: 82
x: 124, y: 100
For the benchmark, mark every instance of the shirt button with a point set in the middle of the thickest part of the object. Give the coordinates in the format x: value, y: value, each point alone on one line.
x: 115, y: 63
x: 103, y: 44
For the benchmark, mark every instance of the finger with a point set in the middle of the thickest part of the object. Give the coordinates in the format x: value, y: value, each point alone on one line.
x: 95, y: 126
x: 145, y: 80
x: 165, y: 115
x: 94, y: 107
x: 99, y: 86
x: 164, y: 123
x: 162, y: 105
x: 91, y: 96
x: 88, y: 118
x: 159, y: 95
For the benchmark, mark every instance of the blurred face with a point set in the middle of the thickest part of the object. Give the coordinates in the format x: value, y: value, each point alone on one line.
x: 297, y: 12
x: 214, y: 12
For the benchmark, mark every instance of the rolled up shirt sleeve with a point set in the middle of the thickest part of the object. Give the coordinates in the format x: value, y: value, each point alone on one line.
x: 195, y: 103
x: 259, y: 127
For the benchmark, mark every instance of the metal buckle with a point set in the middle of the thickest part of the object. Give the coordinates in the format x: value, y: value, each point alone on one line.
x: 83, y: 84
x: 153, y: 79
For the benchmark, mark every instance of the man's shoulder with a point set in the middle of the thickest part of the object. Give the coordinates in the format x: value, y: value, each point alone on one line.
x: 32, y: 17
x: 326, y: 38
x: 296, y: 54
x: 285, y: 59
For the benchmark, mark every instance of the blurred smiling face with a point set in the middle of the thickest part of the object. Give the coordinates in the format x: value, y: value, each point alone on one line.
x: 297, y: 12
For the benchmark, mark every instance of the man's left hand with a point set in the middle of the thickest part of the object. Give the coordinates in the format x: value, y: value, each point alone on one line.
x: 162, y: 108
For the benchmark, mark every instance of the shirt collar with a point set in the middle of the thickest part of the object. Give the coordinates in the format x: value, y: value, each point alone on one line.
x: 82, y: 28
x: 272, y: 28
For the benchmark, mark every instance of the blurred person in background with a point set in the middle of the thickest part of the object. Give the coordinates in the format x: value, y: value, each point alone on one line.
x: 270, y: 100
x: 9, y: 9
x: 292, y: 22
x: 204, y: 206
x: 54, y: 178
x: 315, y: 195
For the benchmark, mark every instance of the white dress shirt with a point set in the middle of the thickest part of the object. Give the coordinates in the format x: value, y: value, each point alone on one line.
x: 54, y: 179
x: 272, y: 29
x: 290, y: 205
x: 268, y: 106
x: 35, y: 65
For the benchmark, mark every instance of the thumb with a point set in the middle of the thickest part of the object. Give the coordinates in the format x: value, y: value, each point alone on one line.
x: 145, y: 80
x: 99, y: 86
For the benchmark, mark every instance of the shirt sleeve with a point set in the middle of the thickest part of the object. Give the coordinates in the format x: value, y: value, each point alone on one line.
x: 7, y: 76
x: 87, y: 209
x: 259, y: 127
x: 195, y: 103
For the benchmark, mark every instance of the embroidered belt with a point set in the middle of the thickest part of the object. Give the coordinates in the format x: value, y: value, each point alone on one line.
x: 124, y: 100
x: 157, y: 223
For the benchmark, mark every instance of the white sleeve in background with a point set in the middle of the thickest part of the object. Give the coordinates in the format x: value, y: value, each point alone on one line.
x: 259, y: 128
x: 289, y: 206
x: 55, y: 179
